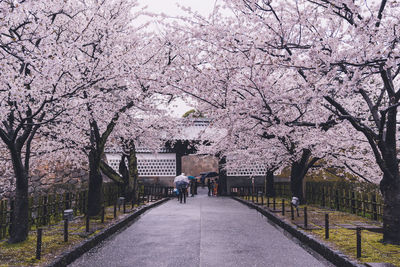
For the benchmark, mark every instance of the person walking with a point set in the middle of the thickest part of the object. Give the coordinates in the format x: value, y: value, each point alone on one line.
x: 215, y: 191
x: 192, y: 185
x: 210, y: 186
x: 181, y: 182
x: 182, y: 192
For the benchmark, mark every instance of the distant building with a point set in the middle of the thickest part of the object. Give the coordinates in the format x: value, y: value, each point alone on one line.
x: 172, y: 160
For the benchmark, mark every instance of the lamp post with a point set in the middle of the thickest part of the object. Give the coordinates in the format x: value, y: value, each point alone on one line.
x: 68, y: 216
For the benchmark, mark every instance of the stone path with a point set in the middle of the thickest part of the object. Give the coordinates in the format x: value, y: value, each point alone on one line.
x: 206, y: 231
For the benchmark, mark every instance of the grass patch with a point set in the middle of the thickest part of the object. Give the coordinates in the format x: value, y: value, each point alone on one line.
x: 372, y: 249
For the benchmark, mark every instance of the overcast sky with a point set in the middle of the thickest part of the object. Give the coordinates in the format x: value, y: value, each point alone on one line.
x: 169, y: 7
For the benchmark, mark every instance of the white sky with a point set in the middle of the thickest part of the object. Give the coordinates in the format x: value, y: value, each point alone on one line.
x: 169, y: 7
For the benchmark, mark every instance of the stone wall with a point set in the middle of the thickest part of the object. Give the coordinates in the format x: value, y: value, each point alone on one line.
x: 43, y: 180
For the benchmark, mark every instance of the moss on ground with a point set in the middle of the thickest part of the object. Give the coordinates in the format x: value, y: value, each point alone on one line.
x: 372, y: 249
x: 340, y: 238
x: 24, y: 253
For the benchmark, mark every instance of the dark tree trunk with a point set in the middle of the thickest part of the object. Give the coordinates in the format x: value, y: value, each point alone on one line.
x: 95, y: 195
x: 298, y: 172
x: 133, y: 173
x: 296, y: 180
x: 98, y: 142
x: 125, y: 187
x: 222, y: 183
x: 391, y: 214
x: 20, y: 219
x: 390, y: 183
x: 269, y: 184
x: 18, y: 138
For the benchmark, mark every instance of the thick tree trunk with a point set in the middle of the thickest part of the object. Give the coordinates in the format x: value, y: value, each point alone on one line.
x: 133, y: 174
x: 222, y: 181
x: 391, y: 213
x: 296, y: 180
x: 95, y: 195
x: 269, y: 184
x: 126, y: 187
x: 298, y: 172
x: 20, y: 217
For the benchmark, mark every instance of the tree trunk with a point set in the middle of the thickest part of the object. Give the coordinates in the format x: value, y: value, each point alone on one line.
x: 298, y: 172
x: 95, y: 195
x: 391, y: 213
x: 296, y: 180
x: 269, y: 179
x: 222, y: 181
x: 133, y: 173
x: 20, y: 216
x: 126, y: 187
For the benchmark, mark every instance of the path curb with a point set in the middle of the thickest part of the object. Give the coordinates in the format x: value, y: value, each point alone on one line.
x: 68, y: 257
x: 335, y: 257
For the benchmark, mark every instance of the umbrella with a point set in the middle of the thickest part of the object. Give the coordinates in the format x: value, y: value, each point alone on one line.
x: 181, y: 178
x: 204, y: 175
x: 208, y: 174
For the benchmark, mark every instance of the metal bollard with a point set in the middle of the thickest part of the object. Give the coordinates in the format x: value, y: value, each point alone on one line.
x: 268, y: 202
x: 274, y: 203
x: 102, y: 214
x: 305, y: 218
x: 87, y: 223
x: 115, y: 210
x: 283, y: 207
x: 326, y: 226
x: 292, y: 211
x: 65, y: 230
x: 358, y: 234
x: 337, y: 201
x: 39, y: 243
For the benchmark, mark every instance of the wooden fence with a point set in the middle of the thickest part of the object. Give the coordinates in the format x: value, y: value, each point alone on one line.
x: 48, y: 209
x: 358, y: 198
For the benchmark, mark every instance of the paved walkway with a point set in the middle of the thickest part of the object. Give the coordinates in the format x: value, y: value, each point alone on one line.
x: 206, y: 231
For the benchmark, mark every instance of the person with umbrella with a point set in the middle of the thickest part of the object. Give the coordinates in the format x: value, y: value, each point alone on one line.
x: 193, y: 185
x: 181, y: 182
x: 210, y: 184
x: 205, y: 175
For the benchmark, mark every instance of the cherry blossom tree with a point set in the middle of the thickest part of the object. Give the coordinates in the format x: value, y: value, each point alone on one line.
x: 120, y: 54
x: 347, y: 52
x: 148, y: 131
x: 339, y: 56
x: 236, y: 84
x: 37, y: 77
x: 69, y: 72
